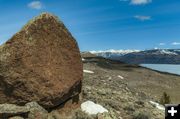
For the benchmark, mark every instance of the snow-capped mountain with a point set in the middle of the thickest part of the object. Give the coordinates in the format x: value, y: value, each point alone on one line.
x: 165, y: 51
x: 113, y: 53
x: 155, y: 56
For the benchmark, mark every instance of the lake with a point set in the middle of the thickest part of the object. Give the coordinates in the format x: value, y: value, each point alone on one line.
x: 175, y: 69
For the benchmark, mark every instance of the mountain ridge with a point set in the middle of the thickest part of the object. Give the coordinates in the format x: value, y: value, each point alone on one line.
x: 154, y: 56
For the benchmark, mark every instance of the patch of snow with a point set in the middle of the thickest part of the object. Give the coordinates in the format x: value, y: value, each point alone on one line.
x: 119, y: 76
x: 83, y: 59
x: 88, y: 71
x: 110, y: 78
x: 168, y: 52
x: 165, y: 51
x: 92, y: 108
x: 157, y: 105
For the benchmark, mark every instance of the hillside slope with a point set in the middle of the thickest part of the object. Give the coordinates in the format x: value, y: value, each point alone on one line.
x: 127, y: 90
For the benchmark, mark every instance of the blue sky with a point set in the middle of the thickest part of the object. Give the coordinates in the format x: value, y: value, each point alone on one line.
x: 102, y: 24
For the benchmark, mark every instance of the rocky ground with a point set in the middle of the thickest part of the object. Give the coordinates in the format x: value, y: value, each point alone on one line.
x: 127, y: 91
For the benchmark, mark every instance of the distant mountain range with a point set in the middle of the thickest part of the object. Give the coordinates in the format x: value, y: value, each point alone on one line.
x: 155, y: 56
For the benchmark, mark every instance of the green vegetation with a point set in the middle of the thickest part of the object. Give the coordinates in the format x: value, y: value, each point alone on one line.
x: 82, y: 115
x: 165, y: 99
x: 141, y: 115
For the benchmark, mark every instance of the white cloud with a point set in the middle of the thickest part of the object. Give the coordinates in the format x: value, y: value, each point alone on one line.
x: 142, y: 18
x: 161, y: 44
x: 140, y: 2
x: 35, y: 5
x: 175, y: 43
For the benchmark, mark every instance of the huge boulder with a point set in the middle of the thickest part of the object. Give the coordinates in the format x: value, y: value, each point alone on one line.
x: 40, y: 63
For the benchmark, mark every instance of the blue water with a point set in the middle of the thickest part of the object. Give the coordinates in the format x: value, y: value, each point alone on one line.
x: 175, y: 69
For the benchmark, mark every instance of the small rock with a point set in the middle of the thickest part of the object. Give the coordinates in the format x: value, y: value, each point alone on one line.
x: 16, y: 117
x: 102, y: 92
x: 109, y: 115
x: 7, y: 110
x: 34, y: 106
x: 54, y: 115
x: 36, y: 111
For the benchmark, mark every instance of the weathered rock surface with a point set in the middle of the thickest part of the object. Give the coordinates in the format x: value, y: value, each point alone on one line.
x: 32, y: 110
x: 40, y: 63
x: 36, y: 111
x: 16, y: 117
x: 7, y: 110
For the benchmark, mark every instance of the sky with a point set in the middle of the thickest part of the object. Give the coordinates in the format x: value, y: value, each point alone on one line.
x: 102, y: 24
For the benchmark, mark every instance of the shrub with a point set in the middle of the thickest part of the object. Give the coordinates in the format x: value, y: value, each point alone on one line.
x: 82, y: 115
x: 141, y: 115
x: 165, y: 99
